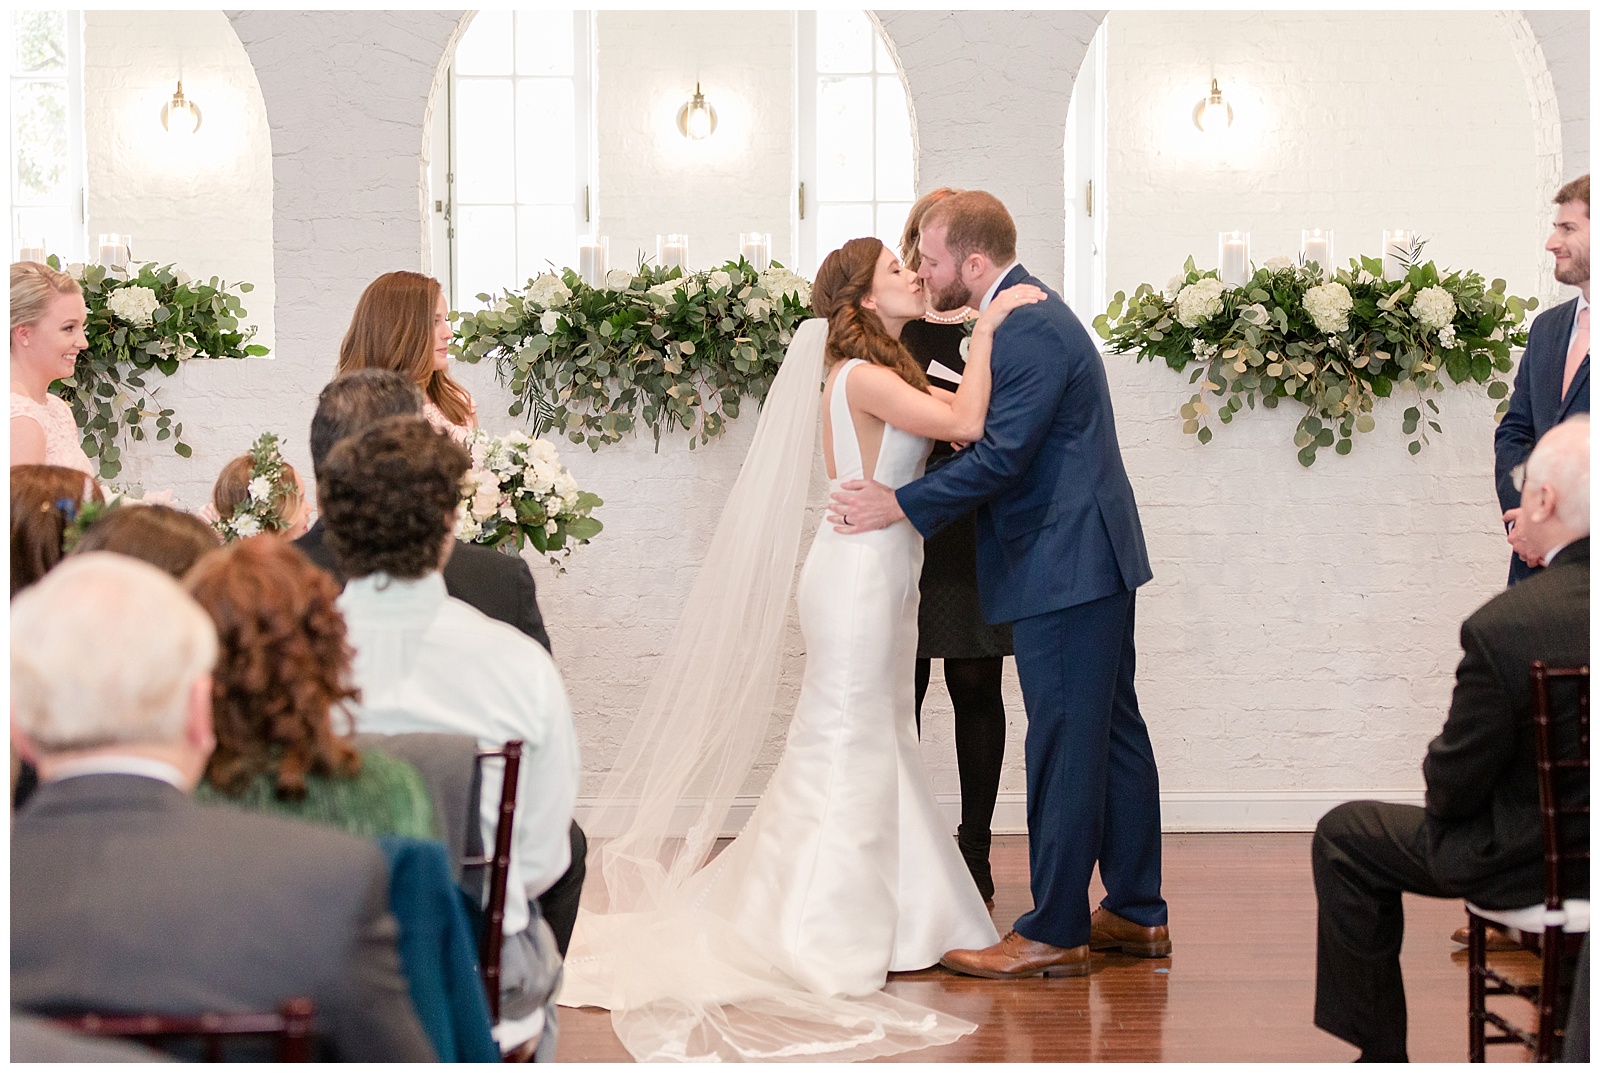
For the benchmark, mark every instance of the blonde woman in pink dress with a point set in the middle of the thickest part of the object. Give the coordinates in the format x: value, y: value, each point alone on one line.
x: 47, y: 319
x: 402, y: 323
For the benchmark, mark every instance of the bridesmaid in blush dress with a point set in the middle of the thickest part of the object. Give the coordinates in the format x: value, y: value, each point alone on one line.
x: 47, y: 320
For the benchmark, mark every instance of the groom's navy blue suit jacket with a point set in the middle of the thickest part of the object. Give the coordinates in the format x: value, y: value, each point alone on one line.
x: 1057, y: 524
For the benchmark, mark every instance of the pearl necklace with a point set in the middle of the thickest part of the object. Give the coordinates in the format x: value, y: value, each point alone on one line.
x: 957, y: 317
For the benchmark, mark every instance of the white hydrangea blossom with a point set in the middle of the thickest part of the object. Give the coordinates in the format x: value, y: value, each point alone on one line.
x: 549, y: 321
x: 1329, y: 305
x: 134, y: 304
x: 1433, y: 307
x: 1199, y: 302
x: 782, y: 283
x: 259, y: 489
x: 548, y: 291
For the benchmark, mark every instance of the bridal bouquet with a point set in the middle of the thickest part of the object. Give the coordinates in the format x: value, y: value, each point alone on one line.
x: 666, y: 348
x: 518, y: 493
x: 145, y: 321
x: 1335, y: 344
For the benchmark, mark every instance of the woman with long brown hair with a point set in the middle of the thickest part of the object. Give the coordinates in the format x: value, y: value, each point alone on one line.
x: 402, y: 322
x: 845, y: 871
x: 283, y: 668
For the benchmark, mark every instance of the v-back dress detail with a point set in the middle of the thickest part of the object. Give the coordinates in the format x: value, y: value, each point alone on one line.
x: 846, y: 870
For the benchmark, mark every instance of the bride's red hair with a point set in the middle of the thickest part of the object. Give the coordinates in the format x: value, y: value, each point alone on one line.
x: 844, y: 279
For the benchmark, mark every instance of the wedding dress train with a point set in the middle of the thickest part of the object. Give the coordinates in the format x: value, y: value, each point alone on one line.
x: 846, y: 871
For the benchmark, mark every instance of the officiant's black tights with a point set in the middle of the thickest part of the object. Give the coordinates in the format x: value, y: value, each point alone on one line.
x: 974, y: 686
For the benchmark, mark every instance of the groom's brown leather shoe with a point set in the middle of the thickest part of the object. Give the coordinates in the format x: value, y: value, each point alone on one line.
x: 1017, y: 958
x: 1107, y: 931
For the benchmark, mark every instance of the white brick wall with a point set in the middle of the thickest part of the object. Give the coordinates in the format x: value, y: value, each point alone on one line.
x: 1298, y: 640
x: 652, y: 179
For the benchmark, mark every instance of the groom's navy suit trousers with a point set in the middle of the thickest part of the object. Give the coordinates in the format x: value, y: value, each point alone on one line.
x: 1060, y: 554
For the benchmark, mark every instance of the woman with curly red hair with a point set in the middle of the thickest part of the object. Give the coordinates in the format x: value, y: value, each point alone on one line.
x: 282, y: 669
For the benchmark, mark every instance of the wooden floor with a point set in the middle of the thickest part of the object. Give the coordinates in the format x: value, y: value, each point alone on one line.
x: 1238, y: 987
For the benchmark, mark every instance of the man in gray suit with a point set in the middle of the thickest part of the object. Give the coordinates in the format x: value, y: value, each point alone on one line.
x: 125, y: 894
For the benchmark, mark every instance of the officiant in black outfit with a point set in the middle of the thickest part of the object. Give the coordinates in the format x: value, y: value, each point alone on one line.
x: 950, y: 624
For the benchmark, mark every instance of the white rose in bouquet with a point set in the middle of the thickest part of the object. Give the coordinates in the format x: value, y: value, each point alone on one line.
x: 1199, y: 302
x: 618, y: 279
x: 1364, y: 277
x: 758, y: 309
x: 721, y: 280
x: 183, y: 278
x: 1433, y: 307
x: 548, y: 290
x: 1278, y: 264
x: 549, y: 321
x: 134, y: 304
x: 1175, y: 284
x: 1329, y: 305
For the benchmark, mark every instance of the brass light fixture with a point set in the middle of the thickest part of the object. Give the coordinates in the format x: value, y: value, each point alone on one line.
x: 180, y: 116
x: 1213, y: 114
x: 697, y: 119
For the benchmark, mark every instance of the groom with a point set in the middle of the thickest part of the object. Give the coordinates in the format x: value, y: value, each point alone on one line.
x: 1060, y: 553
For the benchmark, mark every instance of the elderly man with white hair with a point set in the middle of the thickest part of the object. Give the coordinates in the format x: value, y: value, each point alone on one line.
x: 126, y: 895
x: 1477, y: 835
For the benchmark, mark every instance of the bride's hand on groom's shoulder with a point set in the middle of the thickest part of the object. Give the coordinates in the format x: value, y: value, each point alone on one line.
x: 1023, y: 294
x: 862, y: 507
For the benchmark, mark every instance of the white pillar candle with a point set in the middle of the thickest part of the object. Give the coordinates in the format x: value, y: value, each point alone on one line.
x: 1233, y: 257
x: 672, y: 251
x: 592, y: 258
x: 1316, y: 245
x: 32, y: 250
x: 756, y: 247
x: 1396, y: 252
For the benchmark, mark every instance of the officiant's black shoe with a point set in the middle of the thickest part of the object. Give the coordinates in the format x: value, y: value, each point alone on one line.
x: 1017, y: 958
x: 1107, y: 931
x: 974, y: 848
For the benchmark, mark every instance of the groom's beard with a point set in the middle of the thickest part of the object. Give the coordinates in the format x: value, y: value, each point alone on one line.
x: 953, y: 297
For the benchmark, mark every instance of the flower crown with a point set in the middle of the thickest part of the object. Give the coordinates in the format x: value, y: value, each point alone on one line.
x: 269, y: 485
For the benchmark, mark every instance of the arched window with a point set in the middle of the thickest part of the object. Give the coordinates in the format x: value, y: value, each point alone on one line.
x: 518, y: 159
x: 47, y: 131
x: 857, y: 165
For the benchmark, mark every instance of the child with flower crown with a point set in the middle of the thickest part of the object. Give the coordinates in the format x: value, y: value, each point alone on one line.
x: 259, y: 492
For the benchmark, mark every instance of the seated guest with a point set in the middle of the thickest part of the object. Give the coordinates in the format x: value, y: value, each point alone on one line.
x: 45, y: 501
x: 500, y: 586
x: 282, y: 667
x: 165, y: 537
x: 125, y: 894
x: 1478, y: 834
x: 428, y: 662
x: 259, y: 492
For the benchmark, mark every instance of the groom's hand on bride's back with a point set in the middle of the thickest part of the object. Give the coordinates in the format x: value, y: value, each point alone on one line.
x: 863, y: 506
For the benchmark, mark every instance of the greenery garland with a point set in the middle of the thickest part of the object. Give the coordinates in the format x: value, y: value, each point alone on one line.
x: 673, y: 350
x: 149, y: 321
x: 1335, y: 345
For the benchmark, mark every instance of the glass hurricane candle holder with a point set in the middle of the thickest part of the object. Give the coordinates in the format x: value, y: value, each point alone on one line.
x: 1233, y: 257
x: 672, y: 251
x: 1316, y: 247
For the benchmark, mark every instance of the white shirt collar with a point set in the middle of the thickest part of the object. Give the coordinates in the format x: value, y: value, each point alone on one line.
x: 1550, y: 556
x: 109, y: 764
x: 1583, y: 303
x: 994, y: 288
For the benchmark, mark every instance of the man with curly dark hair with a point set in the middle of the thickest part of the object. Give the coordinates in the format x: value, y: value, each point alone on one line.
x: 427, y: 662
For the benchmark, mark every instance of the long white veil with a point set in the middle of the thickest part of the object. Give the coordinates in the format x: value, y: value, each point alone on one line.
x: 679, y: 985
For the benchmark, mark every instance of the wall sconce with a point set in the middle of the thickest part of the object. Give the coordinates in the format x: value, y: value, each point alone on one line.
x: 1213, y: 114
x: 180, y: 116
x: 697, y: 119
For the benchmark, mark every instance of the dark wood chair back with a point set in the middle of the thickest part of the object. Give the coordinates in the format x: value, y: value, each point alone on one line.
x: 498, y: 864
x: 1563, y: 778
x: 292, y: 1026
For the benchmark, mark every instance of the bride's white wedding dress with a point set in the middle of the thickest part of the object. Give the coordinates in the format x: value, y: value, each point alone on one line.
x: 846, y: 870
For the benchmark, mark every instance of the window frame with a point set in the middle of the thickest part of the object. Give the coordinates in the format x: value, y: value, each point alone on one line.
x: 75, y: 195
x: 445, y: 204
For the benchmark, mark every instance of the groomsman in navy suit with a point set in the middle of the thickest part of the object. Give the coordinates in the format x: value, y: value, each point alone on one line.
x: 1552, y: 381
x: 1060, y: 554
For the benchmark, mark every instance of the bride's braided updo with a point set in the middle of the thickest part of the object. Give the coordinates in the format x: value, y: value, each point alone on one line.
x: 844, y: 279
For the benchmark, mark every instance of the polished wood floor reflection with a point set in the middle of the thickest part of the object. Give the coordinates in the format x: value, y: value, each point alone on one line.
x: 1238, y: 987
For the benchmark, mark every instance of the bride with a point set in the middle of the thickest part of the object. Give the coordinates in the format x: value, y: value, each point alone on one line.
x: 846, y: 871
